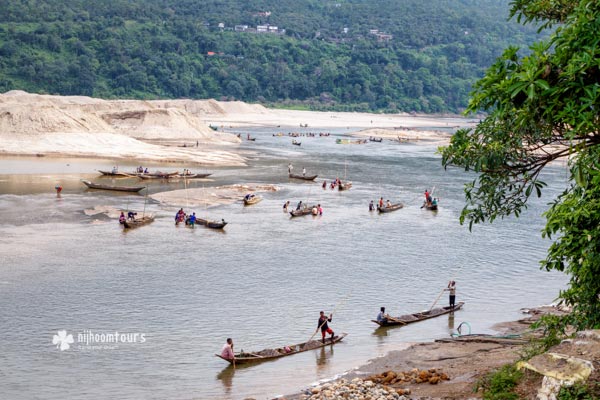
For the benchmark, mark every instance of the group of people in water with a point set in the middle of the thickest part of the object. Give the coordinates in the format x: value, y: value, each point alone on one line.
x: 181, y: 216
x: 333, y: 184
x: 130, y: 216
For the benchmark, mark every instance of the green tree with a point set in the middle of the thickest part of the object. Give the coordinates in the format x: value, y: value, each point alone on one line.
x: 542, y: 107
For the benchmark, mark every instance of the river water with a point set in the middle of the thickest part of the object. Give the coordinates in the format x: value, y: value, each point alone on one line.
x: 262, y: 282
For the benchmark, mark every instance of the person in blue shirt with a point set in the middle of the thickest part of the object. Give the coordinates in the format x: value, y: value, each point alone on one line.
x: 382, y: 316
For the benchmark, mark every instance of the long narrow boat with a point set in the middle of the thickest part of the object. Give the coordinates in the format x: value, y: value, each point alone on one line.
x: 391, y: 208
x: 271, y: 354
x: 190, y: 176
x: 137, y: 222
x: 93, y: 185
x: 160, y: 175
x: 420, y: 316
x: 252, y: 200
x: 303, y: 177
x: 302, y: 212
x: 111, y: 173
x: 211, y: 224
x: 344, y: 185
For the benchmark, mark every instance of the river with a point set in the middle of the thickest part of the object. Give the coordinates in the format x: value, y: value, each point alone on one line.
x: 171, y: 296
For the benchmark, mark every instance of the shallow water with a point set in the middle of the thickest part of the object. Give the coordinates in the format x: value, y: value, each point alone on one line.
x: 262, y: 281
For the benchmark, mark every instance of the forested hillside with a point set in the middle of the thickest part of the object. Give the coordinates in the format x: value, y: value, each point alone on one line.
x: 388, y: 55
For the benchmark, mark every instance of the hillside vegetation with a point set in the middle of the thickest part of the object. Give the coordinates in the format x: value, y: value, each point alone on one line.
x: 386, y: 55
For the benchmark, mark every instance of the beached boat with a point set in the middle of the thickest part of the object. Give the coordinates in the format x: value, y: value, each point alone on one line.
x: 271, y: 354
x: 303, y: 177
x: 115, y: 173
x: 302, y: 212
x: 375, y: 139
x: 93, y: 185
x: 420, y: 316
x: 137, y: 222
x: 211, y: 224
x: 391, y: 208
x: 252, y: 200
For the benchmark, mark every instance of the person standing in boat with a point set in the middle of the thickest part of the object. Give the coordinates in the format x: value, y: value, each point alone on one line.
x: 452, y: 289
x: 227, y: 351
x: 325, y: 329
x: 382, y: 316
x: 381, y: 202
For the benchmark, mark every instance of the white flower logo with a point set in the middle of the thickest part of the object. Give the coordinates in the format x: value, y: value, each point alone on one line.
x: 62, y: 340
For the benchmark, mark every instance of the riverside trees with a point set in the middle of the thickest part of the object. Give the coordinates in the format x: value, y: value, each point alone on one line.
x: 542, y: 107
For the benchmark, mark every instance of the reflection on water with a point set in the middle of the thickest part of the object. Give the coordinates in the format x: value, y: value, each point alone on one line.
x: 451, y: 323
x: 261, y: 283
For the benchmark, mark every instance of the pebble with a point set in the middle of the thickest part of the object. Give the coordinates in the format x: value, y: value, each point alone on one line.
x: 357, y: 389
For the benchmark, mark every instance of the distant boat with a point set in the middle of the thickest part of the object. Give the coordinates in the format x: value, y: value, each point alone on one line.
x: 137, y: 222
x: 93, y: 185
x: 271, y: 354
x: 303, y: 177
x: 211, y: 224
x: 252, y: 200
x: 160, y: 175
x: 114, y: 173
x: 374, y: 139
x: 343, y: 141
x: 391, y: 208
x: 344, y: 186
x: 190, y: 176
x: 302, y: 212
x: 420, y: 316
x: 296, y: 143
x: 430, y: 207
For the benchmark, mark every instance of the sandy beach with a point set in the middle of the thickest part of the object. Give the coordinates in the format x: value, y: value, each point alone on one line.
x: 158, y: 130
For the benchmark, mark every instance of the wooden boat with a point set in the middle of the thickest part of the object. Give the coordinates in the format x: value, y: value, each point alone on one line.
x: 302, y: 212
x: 343, y: 141
x: 190, y: 176
x: 431, y: 207
x: 344, y: 186
x: 137, y: 222
x: 111, y: 173
x: 160, y: 175
x: 296, y: 143
x: 271, y: 354
x: 93, y: 185
x: 303, y: 177
x: 252, y: 200
x: 374, y: 139
x: 251, y: 139
x: 420, y: 316
x: 211, y: 224
x: 391, y: 208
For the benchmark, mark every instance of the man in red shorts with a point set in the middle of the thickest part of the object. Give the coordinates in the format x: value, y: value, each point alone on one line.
x: 323, y: 325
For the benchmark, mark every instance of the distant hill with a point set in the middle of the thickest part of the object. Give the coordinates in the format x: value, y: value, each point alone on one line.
x: 348, y: 55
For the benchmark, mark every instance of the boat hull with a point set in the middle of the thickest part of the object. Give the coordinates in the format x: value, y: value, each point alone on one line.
x: 136, y: 223
x: 416, y: 317
x: 272, y: 354
x: 131, y: 189
x: 253, y: 200
x: 393, y: 207
x: 211, y: 224
x: 303, y: 177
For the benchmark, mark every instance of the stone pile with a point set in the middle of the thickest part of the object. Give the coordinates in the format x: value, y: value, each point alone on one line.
x: 415, y: 375
x: 356, y: 389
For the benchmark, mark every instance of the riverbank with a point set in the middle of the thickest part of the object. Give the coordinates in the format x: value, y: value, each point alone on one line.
x: 175, y: 130
x: 461, y: 362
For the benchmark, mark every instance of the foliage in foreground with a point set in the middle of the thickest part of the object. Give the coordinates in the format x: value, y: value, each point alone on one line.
x: 543, y: 107
x: 499, y: 384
